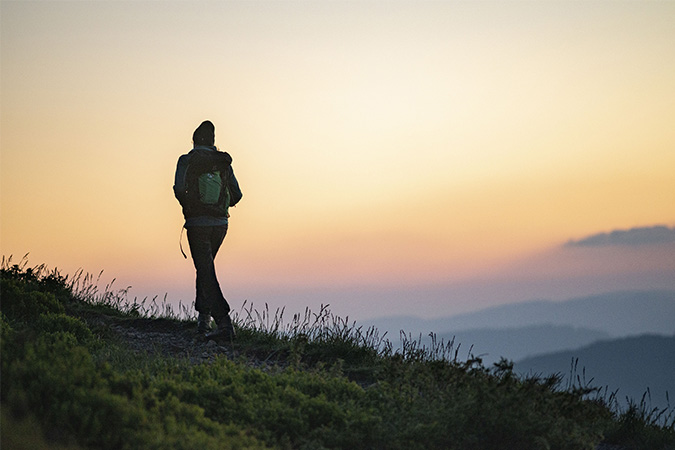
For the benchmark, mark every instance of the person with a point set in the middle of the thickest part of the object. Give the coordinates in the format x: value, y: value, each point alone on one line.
x: 206, y: 222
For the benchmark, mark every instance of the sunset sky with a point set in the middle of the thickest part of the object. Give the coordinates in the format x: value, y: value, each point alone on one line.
x: 396, y: 157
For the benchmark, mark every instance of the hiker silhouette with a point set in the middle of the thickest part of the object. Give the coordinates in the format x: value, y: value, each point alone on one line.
x: 206, y: 187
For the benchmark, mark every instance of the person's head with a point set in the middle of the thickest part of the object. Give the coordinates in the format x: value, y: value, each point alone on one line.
x: 205, y: 134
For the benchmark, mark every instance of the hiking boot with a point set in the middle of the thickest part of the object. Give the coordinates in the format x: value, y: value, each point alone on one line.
x: 203, y: 323
x: 224, y: 331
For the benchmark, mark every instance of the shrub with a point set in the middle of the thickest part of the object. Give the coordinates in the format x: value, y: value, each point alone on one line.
x: 58, y: 381
x: 60, y: 322
x: 22, y: 301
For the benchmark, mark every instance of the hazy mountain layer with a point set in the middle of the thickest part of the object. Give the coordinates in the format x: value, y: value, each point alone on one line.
x: 629, y: 366
x: 618, y: 314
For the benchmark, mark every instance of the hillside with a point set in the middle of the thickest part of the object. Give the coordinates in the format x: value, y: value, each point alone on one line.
x: 628, y: 366
x: 83, y: 369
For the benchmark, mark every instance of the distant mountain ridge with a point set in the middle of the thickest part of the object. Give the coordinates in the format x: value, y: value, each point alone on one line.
x: 518, y: 343
x: 617, y: 314
x: 630, y: 365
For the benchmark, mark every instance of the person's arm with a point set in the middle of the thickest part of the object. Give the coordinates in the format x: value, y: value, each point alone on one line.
x: 180, y: 181
x: 233, y: 186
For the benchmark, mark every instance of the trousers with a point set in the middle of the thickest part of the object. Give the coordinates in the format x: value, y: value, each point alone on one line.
x: 204, y: 243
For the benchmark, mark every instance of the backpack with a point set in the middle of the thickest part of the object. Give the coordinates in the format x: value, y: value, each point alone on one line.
x: 210, y: 188
x: 207, y: 184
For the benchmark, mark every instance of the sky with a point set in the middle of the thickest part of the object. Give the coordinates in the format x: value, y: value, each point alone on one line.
x: 396, y: 157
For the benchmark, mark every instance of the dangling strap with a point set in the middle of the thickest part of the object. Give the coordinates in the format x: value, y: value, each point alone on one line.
x: 180, y: 242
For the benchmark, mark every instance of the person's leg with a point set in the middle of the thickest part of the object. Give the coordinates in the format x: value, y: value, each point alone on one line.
x: 204, y: 244
x: 220, y: 309
x: 202, y: 257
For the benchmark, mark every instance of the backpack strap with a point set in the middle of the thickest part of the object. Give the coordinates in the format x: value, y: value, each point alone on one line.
x: 180, y: 242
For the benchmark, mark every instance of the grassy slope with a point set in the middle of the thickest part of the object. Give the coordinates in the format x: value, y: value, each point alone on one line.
x: 338, y: 388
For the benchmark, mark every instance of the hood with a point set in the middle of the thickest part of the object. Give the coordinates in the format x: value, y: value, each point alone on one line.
x: 211, y: 154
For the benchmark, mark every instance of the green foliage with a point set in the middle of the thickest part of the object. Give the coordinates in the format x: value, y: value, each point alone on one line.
x: 337, y: 387
x: 24, y: 433
x: 62, y: 323
x: 21, y: 300
x: 59, y: 382
x: 290, y: 406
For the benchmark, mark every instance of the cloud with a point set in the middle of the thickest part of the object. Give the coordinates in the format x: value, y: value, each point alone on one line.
x: 658, y: 234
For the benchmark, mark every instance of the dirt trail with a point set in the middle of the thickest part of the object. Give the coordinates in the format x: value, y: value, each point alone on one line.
x: 171, y: 339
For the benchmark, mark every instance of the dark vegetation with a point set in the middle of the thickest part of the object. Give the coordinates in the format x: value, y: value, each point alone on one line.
x: 84, y: 369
